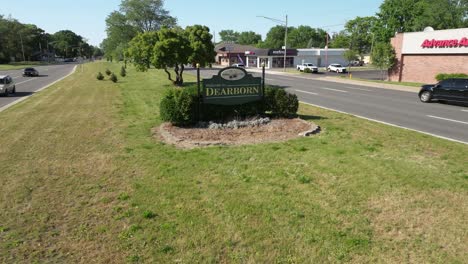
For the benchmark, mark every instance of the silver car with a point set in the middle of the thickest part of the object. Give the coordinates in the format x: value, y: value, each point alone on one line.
x: 7, y: 85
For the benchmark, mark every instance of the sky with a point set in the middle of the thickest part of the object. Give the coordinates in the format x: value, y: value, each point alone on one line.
x: 87, y: 17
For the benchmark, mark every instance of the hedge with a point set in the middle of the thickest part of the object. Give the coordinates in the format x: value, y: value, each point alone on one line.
x: 444, y: 76
x: 179, y: 106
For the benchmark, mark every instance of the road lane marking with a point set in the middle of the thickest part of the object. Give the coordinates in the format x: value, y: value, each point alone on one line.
x: 446, y: 119
x: 331, y: 89
x: 306, y: 92
x: 464, y: 110
x: 25, y: 81
x: 389, y: 124
x: 359, y: 89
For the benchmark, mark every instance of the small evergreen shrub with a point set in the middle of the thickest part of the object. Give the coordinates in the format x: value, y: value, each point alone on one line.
x: 178, y: 107
x: 99, y: 76
x: 286, y: 104
x: 123, y: 72
x: 113, y: 78
x: 108, y: 72
x: 445, y: 76
x: 307, y: 70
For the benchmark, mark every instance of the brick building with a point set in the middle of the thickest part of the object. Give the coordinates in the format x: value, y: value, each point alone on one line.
x: 423, y: 55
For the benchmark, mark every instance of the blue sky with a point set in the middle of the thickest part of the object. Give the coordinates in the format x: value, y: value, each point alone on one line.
x: 87, y: 17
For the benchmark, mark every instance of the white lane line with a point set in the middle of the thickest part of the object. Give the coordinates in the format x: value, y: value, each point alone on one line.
x: 331, y: 89
x: 354, y: 88
x: 464, y: 110
x: 389, y: 124
x: 446, y: 119
x: 306, y: 92
x: 25, y: 81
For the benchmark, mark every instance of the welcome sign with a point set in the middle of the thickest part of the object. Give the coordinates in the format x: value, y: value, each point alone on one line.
x: 232, y: 86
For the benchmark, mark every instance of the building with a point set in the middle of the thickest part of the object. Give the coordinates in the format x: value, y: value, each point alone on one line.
x: 274, y: 58
x: 231, y: 53
x: 423, y: 55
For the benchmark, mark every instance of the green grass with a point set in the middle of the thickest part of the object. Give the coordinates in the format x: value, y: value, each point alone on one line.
x: 85, y: 180
x: 20, y: 65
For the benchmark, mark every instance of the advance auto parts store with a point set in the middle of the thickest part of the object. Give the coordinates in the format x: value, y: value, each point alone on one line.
x: 423, y: 55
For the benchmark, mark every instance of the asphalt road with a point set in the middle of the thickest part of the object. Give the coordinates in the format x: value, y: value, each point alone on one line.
x: 397, y: 108
x: 27, y: 86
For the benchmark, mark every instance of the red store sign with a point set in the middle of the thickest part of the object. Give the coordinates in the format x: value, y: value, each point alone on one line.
x: 448, y: 43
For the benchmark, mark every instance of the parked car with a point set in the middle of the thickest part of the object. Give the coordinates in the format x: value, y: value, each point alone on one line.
x: 240, y: 65
x: 455, y: 89
x: 7, y: 85
x: 310, y: 66
x: 30, y: 72
x: 336, y: 68
x: 357, y: 63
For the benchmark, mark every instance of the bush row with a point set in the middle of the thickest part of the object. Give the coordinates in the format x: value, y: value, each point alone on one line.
x: 444, y: 76
x: 180, y: 107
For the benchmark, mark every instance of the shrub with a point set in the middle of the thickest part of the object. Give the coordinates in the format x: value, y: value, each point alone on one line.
x: 123, y: 72
x: 99, y: 76
x: 113, y: 78
x: 178, y: 106
x: 280, y: 103
x: 444, y: 76
x: 307, y: 70
x: 108, y: 72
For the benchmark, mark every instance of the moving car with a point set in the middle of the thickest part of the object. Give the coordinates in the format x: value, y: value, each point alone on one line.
x: 304, y: 66
x: 336, y: 68
x: 30, y: 72
x: 454, y: 89
x: 239, y: 65
x: 7, y: 85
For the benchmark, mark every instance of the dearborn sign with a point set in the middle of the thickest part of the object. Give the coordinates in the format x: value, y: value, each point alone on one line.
x: 232, y: 86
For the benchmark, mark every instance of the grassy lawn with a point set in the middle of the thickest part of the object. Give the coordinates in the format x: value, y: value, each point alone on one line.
x: 20, y: 65
x: 84, y: 180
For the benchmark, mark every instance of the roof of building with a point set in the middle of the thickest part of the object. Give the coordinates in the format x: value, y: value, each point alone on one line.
x: 232, y: 47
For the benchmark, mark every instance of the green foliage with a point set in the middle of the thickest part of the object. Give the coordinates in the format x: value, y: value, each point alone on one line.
x: 202, y: 47
x: 249, y: 38
x: 149, y: 214
x: 123, y: 72
x: 284, y: 104
x: 141, y: 49
x: 229, y: 35
x: 360, y: 32
x: 108, y: 72
x: 99, y: 76
x: 307, y: 70
x: 340, y: 40
x: 113, y: 78
x: 306, y: 37
x: 275, y: 38
x: 444, y: 76
x: 383, y: 56
x: 178, y: 106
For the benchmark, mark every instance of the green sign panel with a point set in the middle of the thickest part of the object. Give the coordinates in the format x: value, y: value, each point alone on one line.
x: 232, y: 86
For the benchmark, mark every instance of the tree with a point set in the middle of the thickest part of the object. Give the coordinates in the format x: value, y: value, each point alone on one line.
x: 275, y: 37
x: 340, y: 40
x: 202, y: 48
x: 361, y: 36
x: 249, y: 38
x: 147, y: 15
x: 350, y: 55
x: 383, y: 56
x: 141, y: 49
x: 67, y: 43
x: 307, y: 37
x: 172, y: 50
x: 229, y: 35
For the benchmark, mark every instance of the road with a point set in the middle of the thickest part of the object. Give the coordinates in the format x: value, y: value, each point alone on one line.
x: 27, y: 86
x: 392, y: 107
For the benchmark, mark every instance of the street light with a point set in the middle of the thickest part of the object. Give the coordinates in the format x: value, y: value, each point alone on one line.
x: 285, y: 23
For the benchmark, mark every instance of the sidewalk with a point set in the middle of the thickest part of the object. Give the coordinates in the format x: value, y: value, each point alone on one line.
x: 340, y: 80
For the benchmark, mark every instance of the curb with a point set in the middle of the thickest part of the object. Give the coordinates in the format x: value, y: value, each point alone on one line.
x: 40, y: 89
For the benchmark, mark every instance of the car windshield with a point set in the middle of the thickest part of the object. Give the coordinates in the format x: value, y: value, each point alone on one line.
x: 29, y: 69
x: 337, y: 65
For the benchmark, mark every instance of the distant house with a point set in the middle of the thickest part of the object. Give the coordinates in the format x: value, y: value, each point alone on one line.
x: 231, y: 53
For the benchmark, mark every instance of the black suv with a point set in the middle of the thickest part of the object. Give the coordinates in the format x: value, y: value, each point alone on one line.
x: 447, y: 90
x: 30, y: 72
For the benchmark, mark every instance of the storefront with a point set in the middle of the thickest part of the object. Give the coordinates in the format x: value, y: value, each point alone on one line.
x: 273, y: 58
x: 423, y: 55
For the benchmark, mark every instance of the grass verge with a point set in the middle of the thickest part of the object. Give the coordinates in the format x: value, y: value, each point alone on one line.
x: 84, y: 180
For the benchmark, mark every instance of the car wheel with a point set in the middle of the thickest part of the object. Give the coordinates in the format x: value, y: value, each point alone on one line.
x: 14, y: 90
x: 425, y: 96
x: 337, y: 71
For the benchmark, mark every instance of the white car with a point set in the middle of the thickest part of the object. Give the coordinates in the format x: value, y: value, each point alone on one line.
x: 336, y: 68
x: 7, y: 85
x: 238, y: 65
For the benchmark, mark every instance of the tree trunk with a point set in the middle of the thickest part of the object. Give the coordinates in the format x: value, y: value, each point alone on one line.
x: 168, y: 75
x: 182, y: 68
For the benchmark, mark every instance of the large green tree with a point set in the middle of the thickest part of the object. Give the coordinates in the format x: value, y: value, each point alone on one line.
x: 249, y: 38
x: 361, y: 34
x: 307, y: 37
x: 275, y: 38
x: 173, y: 50
x: 383, y: 56
x: 202, y: 51
x: 340, y: 40
x: 229, y: 35
x: 141, y: 49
